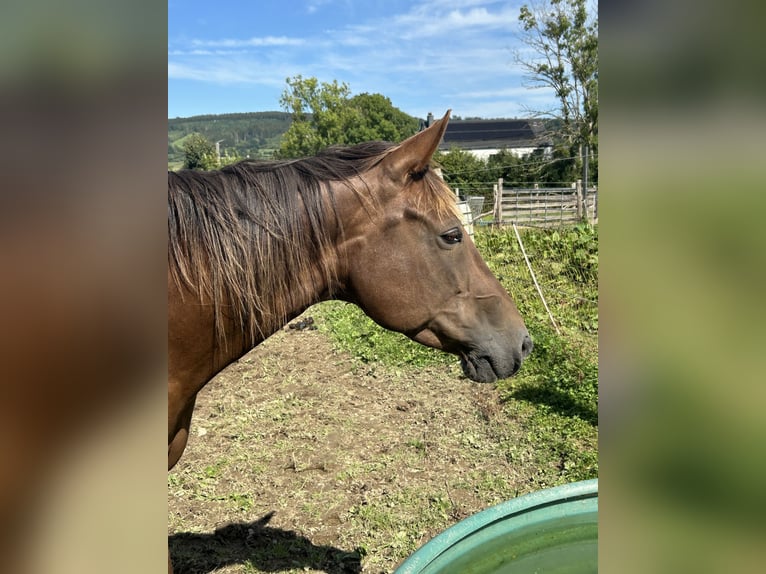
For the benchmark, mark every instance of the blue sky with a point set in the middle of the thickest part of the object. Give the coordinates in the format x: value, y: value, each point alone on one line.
x: 425, y: 55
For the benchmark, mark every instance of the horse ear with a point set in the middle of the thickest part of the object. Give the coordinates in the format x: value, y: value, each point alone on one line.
x: 413, y: 155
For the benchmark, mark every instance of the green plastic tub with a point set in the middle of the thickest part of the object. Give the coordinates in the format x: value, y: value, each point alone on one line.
x: 552, y: 531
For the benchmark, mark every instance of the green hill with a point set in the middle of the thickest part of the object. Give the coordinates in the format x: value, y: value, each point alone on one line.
x: 254, y: 134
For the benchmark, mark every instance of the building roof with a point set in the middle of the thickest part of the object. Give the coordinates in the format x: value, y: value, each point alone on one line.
x: 494, y: 134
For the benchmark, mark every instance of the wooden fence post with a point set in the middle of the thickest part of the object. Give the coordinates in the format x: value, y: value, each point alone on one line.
x: 498, y: 207
x: 595, y: 204
x: 578, y: 198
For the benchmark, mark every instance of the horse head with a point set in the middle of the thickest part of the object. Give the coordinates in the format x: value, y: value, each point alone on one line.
x: 412, y: 268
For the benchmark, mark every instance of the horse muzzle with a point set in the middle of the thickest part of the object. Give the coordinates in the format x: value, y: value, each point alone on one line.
x: 490, y: 367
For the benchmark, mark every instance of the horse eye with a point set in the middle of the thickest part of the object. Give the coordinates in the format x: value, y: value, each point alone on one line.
x: 453, y: 236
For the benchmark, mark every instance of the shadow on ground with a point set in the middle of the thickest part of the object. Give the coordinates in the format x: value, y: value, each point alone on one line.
x: 559, y: 401
x: 265, y: 548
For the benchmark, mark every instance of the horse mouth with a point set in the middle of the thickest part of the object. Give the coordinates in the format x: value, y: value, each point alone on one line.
x: 479, y: 369
x: 477, y: 364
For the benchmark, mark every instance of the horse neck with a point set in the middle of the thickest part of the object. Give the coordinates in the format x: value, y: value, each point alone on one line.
x: 201, y: 345
x: 316, y: 277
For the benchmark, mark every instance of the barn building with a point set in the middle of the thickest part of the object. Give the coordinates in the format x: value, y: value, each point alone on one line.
x: 484, y: 138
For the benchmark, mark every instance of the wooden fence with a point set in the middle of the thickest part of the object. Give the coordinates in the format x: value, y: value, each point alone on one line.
x: 538, y: 206
x: 544, y: 206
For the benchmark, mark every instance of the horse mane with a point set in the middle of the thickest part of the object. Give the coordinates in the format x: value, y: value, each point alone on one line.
x: 256, y: 238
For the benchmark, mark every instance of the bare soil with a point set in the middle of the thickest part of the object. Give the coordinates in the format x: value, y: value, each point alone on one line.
x: 302, y: 459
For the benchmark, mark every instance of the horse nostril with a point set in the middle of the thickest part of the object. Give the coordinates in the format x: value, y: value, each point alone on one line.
x: 526, y: 346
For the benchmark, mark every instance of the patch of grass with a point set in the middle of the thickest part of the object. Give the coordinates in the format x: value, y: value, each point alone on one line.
x: 241, y: 501
x: 489, y: 484
x: 417, y: 444
x: 354, y: 332
x: 555, y: 395
x: 396, y: 523
x: 356, y: 470
x: 555, y: 398
x: 565, y: 263
x: 213, y: 470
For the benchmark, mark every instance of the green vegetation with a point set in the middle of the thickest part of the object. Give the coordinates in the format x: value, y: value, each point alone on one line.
x: 199, y: 152
x: 556, y: 391
x: 254, y: 135
x: 565, y: 262
x: 555, y: 395
x: 474, y: 176
x: 561, y: 54
x: 326, y: 114
x: 317, y: 115
x: 464, y: 171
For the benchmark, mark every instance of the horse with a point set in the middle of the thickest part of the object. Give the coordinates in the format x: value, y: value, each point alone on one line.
x: 253, y: 245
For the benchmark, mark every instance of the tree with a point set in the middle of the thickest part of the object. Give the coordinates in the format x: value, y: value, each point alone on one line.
x: 541, y: 166
x: 562, y: 41
x: 380, y: 120
x: 325, y: 114
x: 199, y: 153
x: 466, y: 172
x: 510, y: 167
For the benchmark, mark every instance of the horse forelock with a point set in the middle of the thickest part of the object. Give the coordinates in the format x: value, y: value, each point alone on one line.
x: 434, y: 195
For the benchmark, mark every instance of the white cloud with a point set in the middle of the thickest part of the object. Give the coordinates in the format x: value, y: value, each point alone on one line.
x: 266, y: 41
x: 509, y: 92
x: 181, y: 72
x: 313, y: 6
x: 227, y: 71
x: 356, y: 35
x: 441, y: 19
x: 202, y: 52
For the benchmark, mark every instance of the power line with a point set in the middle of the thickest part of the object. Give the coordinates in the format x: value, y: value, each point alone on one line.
x: 541, y: 163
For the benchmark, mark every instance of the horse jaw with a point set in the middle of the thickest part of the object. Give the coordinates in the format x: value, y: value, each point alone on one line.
x: 428, y: 338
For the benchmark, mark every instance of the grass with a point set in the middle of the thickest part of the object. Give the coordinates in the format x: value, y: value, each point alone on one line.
x: 556, y: 392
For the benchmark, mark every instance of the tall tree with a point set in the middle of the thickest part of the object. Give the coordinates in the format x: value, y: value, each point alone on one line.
x: 325, y: 114
x: 320, y: 115
x: 199, y: 153
x: 561, y: 39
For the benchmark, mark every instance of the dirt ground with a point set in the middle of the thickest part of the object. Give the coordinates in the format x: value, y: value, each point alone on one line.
x: 303, y: 460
